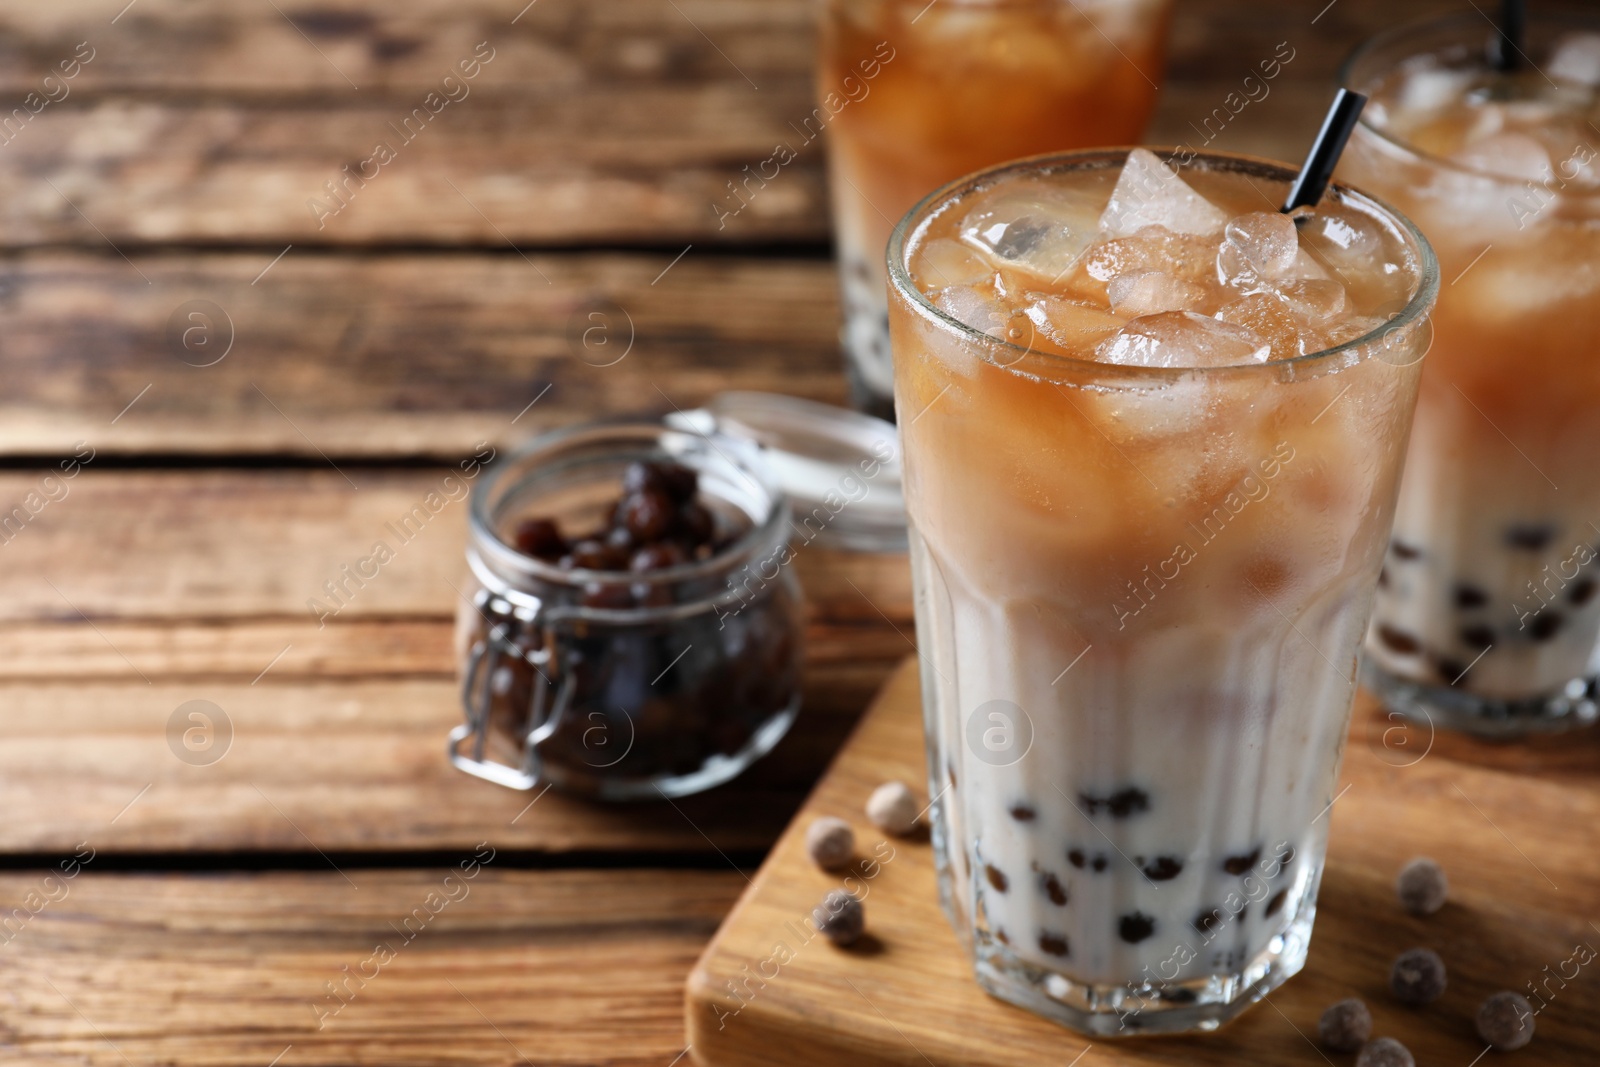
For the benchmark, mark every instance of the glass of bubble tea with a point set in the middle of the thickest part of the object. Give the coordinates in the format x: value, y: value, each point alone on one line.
x: 915, y: 94
x: 1152, y: 431
x: 1487, y: 617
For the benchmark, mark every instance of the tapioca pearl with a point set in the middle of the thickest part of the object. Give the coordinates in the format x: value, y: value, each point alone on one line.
x: 1530, y: 536
x: 1450, y: 671
x: 1053, y: 888
x: 1023, y: 813
x: 1119, y: 805
x: 1099, y: 863
x: 1054, y: 944
x: 1397, y: 640
x: 1162, y: 868
x: 1242, y: 862
x: 1275, y: 905
x: 1468, y: 596
x: 1209, y: 921
x: 1135, y: 927
x: 1405, y: 551
x: 1001, y: 936
x: 1545, y: 625
x: 1076, y: 857
x: 1478, y: 636
x: 997, y: 877
x: 1582, y: 591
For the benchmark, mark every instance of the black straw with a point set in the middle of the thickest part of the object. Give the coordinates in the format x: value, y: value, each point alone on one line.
x: 1317, y: 171
x: 1505, y: 48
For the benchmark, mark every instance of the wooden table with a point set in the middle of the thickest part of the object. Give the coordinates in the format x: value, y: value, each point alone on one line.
x: 215, y: 912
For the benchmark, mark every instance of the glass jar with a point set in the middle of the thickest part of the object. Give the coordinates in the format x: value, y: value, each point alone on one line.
x: 620, y: 686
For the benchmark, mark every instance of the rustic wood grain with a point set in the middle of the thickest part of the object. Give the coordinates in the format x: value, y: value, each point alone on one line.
x: 209, y: 122
x: 1522, y: 891
x: 552, y: 967
x: 392, y: 355
x: 198, y: 548
x: 138, y: 591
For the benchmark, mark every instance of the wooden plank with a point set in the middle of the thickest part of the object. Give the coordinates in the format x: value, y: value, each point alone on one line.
x: 1520, y: 898
x: 210, y: 547
x: 402, y: 355
x: 233, y: 971
x: 138, y: 591
x: 350, y: 766
x: 206, y: 122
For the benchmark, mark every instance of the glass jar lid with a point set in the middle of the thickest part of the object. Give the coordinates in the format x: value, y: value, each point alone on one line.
x: 840, y: 469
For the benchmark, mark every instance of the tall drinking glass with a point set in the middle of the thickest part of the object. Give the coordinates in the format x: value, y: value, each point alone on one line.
x: 1487, y: 617
x: 917, y: 94
x: 1151, y: 457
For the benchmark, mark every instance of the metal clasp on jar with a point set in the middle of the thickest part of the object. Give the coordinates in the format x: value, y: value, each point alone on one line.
x: 516, y: 632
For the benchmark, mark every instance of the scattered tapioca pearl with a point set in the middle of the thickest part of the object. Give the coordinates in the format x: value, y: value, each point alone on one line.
x: 1243, y: 862
x: 1163, y: 868
x: 1275, y: 905
x: 1421, y: 886
x: 830, y: 842
x: 997, y: 877
x: 1531, y: 536
x: 1345, y: 1026
x: 1055, y: 944
x: 1099, y: 863
x: 1478, y: 636
x: 893, y: 808
x: 1135, y: 927
x: 1001, y: 936
x: 1209, y: 921
x: 1385, y: 1052
x: 1398, y: 641
x: 1417, y: 976
x: 1023, y: 813
x: 1546, y: 625
x: 1053, y: 888
x: 1582, y: 591
x: 1470, y: 596
x: 1505, y: 1020
x: 840, y: 917
x: 1119, y: 805
x: 1402, y: 550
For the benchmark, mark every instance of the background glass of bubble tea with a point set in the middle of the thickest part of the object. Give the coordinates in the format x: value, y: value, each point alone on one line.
x: 1133, y: 749
x: 1487, y: 617
x: 915, y: 94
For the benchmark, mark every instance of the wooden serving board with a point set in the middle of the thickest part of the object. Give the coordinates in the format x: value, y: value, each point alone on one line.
x: 1513, y: 826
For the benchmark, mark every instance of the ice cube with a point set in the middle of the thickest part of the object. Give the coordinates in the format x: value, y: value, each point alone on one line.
x: 1154, y: 248
x: 1348, y: 329
x: 1513, y: 155
x: 1267, y: 239
x: 1151, y: 292
x: 1576, y: 59
x: 1149, y: 193
x: 1315, y: 301
x: 1183, y: 339
x: 943, y: 262
x: 1033, y: 227
x: 972, y: 306
x: 1071, y: 325
x: 1347, y: 242
x: 1433, y: 88
x: 1268, y: 316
